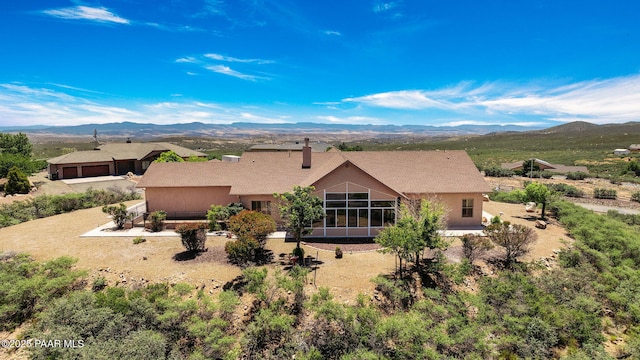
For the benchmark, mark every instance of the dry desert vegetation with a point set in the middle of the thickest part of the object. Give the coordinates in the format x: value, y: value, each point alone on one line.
x: 123, y: 263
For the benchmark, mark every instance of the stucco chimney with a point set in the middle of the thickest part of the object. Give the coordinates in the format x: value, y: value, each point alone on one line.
x: 306, y: 154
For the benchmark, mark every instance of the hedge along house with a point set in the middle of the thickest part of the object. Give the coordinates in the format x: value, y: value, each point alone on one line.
x: 112, y: 159
x: 361, y: 191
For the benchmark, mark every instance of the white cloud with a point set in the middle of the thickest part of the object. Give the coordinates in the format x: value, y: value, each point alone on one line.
x: 404, y: 99
x: 99, y: 14
x: 352, y: 120
x: 598, y: 101
x: 383, y: 7
x: 233, y: 59
x: 225, y: 70
x: 332, y: 33
x: 24, y: 105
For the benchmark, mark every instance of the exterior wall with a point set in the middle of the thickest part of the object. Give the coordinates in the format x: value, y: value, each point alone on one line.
x: 246, y: 201
x: 453, y: 204
x: 187, y: 202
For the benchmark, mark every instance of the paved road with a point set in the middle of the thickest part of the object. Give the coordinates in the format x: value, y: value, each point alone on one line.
x: 604, y: 209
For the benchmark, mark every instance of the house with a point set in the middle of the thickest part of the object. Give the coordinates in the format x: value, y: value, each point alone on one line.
x: 634, y: 148
x: 361, y: 190
x: 621, y: 152
x: 112, y: 159
x: 545, y: 166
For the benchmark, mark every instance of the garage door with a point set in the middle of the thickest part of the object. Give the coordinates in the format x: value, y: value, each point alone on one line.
x: 69, y: 172
x: 95, y: 170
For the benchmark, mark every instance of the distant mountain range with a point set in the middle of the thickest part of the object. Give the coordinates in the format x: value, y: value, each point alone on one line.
x: 239, y: 129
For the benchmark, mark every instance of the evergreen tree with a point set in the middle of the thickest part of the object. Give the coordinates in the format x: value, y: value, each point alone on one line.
x: 17, y: 182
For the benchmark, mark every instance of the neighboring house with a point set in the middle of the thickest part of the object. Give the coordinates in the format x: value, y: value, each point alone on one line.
x: 634, y: 148
x: 112, y: 159
x: 621, y: 152
x: 545, y: 166
x: 361, y: 190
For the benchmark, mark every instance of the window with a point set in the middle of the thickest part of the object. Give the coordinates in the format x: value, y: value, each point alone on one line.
x: 261, y: 206
x: 357, y: 210
x: 467, y: 207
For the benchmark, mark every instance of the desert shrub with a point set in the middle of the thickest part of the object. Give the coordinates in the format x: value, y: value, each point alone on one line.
x: 513, y: 197
x: 475, y: 246
x: 635, y: 196
x: 515, y: 239
x: 566, y: 190
x: 99, y: 284
x: 538, y: 174
x: 241, y: 251
x: 138, y: 240
x: 118, y: 213
x: 498, y: 172
x: 27, y: 286
x: 578, y: 175
x: 600, y: 193
x: 193, y: 236
x: 157, y: 219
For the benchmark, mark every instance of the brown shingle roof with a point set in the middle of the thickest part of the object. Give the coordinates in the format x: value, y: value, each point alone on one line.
x: 138, y: 151
x: 122, y: 151
x: 265, y: 173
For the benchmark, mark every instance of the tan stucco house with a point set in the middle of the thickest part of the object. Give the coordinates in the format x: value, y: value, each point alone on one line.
x: 112, y: 159
x: 361, y: 190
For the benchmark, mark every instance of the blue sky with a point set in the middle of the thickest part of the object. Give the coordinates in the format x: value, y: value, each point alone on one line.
x: 429, y: 62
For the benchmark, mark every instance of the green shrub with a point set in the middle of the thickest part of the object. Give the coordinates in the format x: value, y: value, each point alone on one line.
x: 513, y: 197
x: 193, y: 236
x: 578, y: 175
x: 138, y: 240
x: 118, y: 213
x: 498, y: 172
x: 99, y: 284
x: 27, y: 286
x: 635, y: 196
x: 567, y: 190
x: 600, y: 193
x: 157, y: 219
x: 17, y: 182
x: 217, y: 214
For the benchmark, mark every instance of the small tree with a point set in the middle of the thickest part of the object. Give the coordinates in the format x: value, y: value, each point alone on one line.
x: 17, y: 182
x: 540, y: 194
x: 193, y: 236
x: 475, y: 246
x: 118, y: 213
x: 300, y: 210
x: 515, y: 239
x: 169, y: 156
x: 157, y: 219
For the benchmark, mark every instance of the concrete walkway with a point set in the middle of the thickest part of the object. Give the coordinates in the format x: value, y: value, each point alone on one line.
x: 93, y: 179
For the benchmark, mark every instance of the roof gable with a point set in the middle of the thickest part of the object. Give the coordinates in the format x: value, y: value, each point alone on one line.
x: 404, y: 172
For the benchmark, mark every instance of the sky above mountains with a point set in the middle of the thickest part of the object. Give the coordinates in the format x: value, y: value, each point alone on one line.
x: 425, y: 62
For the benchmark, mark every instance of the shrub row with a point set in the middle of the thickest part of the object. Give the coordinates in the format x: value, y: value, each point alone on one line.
x: 600, y: 193
x: 49, y: 205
